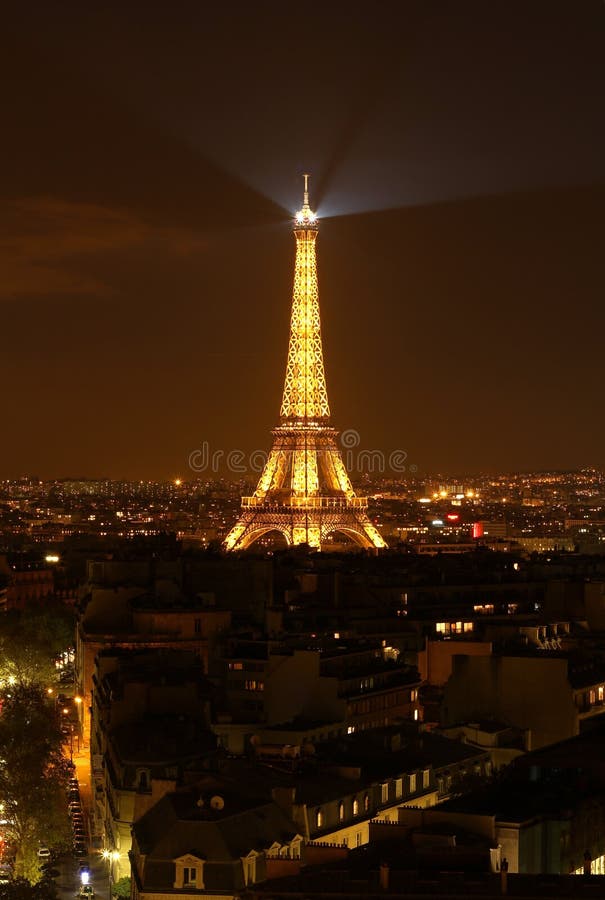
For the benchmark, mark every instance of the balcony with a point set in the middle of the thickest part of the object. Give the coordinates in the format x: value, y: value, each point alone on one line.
x: 303, y: 503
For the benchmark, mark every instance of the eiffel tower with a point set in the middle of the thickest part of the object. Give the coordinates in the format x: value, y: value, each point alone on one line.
x: 304, y: 491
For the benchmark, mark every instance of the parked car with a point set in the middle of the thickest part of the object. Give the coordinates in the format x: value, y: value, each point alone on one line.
x: 86, y: 892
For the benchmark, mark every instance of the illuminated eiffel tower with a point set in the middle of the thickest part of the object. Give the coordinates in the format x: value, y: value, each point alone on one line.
x: 304, y: 491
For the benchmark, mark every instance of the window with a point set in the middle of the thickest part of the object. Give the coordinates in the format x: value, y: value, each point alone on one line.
x: 384, y: 792
x: 355, y: 807
x: 189, y: 872
x: 592, y: 696
x: 399, y: 788
x: 358, y: 839
x: 142, y: 780
x: 426, y: 778
x: 440, y: 627
x: 236, y: 666
x: 197, y: 626
x: 366, y: 802
x: 413, y: 695
x: 600, y: 693
x: 249, y: 866
x: 413, y: 783
x: 415, y: 715
x: 341, y: 812
x: 319, y: 818
x: 189, y: 875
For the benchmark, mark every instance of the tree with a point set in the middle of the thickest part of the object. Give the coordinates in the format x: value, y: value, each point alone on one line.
x: 33, y: 776
x: 21, y: 889
x: 30, y: 639
x: 121, y: 888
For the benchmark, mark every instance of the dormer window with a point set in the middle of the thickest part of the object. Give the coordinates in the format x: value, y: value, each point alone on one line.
x: 142, y: 780
x: 189, y: 872
x: 249, y: 867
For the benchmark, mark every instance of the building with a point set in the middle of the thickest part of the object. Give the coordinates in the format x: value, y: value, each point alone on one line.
x: 131, y: 617
x: 210, y: 840
x: 149, y: 733
x: 341, y: 686
x: 550, y: 694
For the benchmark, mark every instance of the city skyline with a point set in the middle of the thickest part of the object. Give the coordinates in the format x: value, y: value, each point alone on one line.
x: 146, y: 249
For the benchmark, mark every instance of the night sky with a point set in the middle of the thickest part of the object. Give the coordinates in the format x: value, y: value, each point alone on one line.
x: 151, y: 160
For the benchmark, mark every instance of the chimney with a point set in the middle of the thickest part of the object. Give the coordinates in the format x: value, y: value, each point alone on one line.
x: 504, y: 876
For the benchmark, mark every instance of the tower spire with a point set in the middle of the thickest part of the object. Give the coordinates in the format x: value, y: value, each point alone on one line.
x: 304, y: 491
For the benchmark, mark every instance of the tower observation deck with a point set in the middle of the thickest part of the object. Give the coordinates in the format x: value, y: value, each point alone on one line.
x: 304, y: 491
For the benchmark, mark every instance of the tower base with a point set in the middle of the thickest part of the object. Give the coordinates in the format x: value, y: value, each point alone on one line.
x: 310, y: 522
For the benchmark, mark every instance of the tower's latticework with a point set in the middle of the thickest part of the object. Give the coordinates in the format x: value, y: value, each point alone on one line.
x: 304, y: 491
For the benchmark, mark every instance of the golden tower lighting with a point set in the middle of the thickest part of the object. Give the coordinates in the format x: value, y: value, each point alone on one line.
x: 304, y: 491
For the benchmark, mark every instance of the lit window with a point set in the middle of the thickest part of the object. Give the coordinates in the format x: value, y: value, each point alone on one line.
x: 600, y: 693
x: 356, y: 807
x: 319, y: 818
x: 413, y: 783
x: 440, y: 627
x: 426, y: 778
x: 468, y: 626
x: 366, y: 802
x: 413, y: 695
x: 592, y: 696
x: 341, y: 812
x: 384, y: 792
x: 398, y: 788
